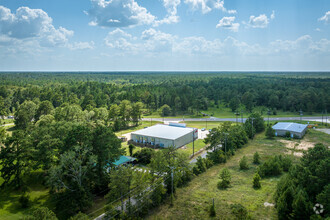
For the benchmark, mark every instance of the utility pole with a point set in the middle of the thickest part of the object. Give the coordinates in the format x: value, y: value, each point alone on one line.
x: 150, y: 121
x: 322, y: 117
x: 206, y: 122
x: 172, y: 176
x: 326, y: 118
x: 301, y: 114
x: 226, y: 134
x: 237, y: 114
x: 252, y: 128
x: 242, y: 116
x: 268, y: 113
x: 193, y: 134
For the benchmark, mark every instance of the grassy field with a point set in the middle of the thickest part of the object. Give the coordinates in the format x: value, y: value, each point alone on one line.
x: 193, y: 201
x: 202, y: 124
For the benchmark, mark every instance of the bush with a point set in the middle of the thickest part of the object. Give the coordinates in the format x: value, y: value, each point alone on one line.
x: 195, y: 170
x: 256, y: 158
x: 225, y: 179
x: 79, y: 216
x: 144, y: 156
x: 270, y: 132
x: 217, y: 156
x: 42, y: 213
x: 274, y: 166
x: 208, y: 163
x: 243, y: 164
x: 256, y: 181
x: 24, y: 200
x: 239, y: 211
x: 201, y: 164
x: 287, y: 134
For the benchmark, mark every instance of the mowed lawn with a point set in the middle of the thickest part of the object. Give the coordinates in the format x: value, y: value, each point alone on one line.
x: 194, y: 200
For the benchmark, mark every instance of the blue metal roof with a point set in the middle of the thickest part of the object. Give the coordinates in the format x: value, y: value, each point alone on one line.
x: 289, y: 126
x: 124, y: 159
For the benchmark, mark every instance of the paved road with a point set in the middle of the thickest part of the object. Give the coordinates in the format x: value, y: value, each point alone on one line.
x: 167, y: 120
x: 325, y: 130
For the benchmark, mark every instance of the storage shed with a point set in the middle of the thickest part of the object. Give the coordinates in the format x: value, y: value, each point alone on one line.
x: 160, y: 135
x: 295, y: 129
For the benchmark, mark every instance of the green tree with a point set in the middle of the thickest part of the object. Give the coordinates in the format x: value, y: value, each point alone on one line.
x: 42, y: 213
x: 45, y: 108
x: 107, y: 148
x: 165, y: 110
x: 70, y: 179
x: 256, y: 181
x: 243, y: 163
x: 79, y: 216
x: 15, y: 159
x: 256, y: 158
x: 136, y: 112
x: 131, y: 148
x: 270, y: 132
x: 225, y: 179
x: 25, y: 114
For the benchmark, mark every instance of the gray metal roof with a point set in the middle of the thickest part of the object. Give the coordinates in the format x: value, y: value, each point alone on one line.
x: 164, y: 131
x: 289, y: 126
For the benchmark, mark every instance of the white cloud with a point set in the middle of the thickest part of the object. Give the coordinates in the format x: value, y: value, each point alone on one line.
x: 207, y: 5
x: 228, y: 23
x: 325, y: 18
x: 118, y: 13
x: 272, y: 16
x: 31, y: 24
x: 171, y: 17
x: 81, y: 45
x: 258, y: 22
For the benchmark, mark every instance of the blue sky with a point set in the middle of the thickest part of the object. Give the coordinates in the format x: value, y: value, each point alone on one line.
x: 186, y: 35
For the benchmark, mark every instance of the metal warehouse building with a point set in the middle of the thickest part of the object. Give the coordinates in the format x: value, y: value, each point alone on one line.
x: 295, y: 129
x: 159, y: 135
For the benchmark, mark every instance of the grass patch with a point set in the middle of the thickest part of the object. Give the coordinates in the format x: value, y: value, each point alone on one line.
x: 141, y: 125
x: 199, y: 144
x: 317, y: 137
x: 193, y: 201
x: 202, y: 124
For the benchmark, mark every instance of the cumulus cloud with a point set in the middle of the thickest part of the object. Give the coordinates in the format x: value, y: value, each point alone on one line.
x: 258, y: 22
x: 171, y: 17
x: 325, y: 18
x: 118, y: 13
x: 207, y: 5
x: 29, y: 23
x: 228, y: 23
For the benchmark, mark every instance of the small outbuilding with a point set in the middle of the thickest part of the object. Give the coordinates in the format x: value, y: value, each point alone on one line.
x: 295, y: 129
x: 124, y: 160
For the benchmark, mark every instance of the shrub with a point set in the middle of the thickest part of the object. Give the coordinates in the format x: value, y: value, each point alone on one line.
x: 274, y: 166
x: 243, y: 164
x: 216, y: 156
x: 287, y: 134
x: 131, y: 148
x: 79, y: 216
x: 239, y: 211
x: 225, y: 179
x: 256, y: 181
x: 42, y: 213
x: 144, y: 156
x: 201, y: 164
x: 24, y: 200
x: 208, y: 163
x: 256, y: 158
x: 270, y: 132
x: 195, y: 170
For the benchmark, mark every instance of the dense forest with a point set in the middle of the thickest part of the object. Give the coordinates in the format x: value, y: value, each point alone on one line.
x: 179, y: 92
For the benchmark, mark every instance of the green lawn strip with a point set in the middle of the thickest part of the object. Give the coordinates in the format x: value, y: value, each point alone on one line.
x: 317, y: 137
x: 124, y: 146
x: 202, y: 124
x: 199, y: 144
x: 141, y: 125
x: 194, y: 200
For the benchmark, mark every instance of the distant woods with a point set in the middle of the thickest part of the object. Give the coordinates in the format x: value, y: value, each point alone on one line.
x: 168, y: 94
